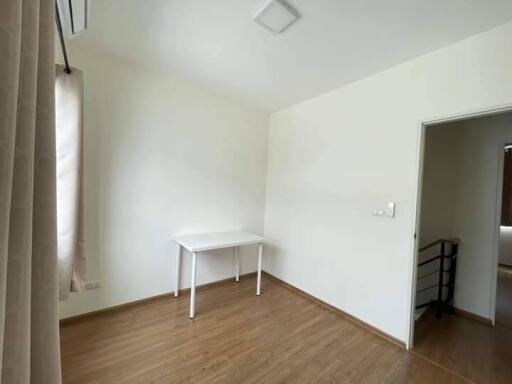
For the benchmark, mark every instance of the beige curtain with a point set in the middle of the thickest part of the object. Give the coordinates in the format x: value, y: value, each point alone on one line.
x: 29, y: 333
x: 68, y: 101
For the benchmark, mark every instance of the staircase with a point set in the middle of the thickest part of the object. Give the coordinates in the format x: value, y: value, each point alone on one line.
x: 419, y: 312
x: 436, y: 276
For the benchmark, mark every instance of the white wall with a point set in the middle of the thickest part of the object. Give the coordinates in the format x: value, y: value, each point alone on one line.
x: 459, y: 199
x: 506, y: 246
x: 440, y: 168
x: 335, y: 158
x: 162, y: 157
x: 441, y: 163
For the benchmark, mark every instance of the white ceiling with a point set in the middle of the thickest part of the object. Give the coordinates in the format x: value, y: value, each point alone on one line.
x: 334, y: 43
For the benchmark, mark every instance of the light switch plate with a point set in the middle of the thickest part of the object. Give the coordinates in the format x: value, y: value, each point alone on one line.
x: 389, y: 211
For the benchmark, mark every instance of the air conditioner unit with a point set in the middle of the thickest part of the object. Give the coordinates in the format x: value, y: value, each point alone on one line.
x: 74, y: 16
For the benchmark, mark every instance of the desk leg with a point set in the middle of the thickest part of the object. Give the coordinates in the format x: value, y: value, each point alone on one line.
x: 178, y: 271
x: 260, y: 253
x: 193, y: 286
x: 237, y: 263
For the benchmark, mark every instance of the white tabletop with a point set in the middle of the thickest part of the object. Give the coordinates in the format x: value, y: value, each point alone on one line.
x: 216, y: 240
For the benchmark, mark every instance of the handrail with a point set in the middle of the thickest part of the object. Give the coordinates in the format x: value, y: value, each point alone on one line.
x: 438, y: 241
x: 450, y: 257
x: 432, y: 273
x: 431, y: 287
x: 429, y: 261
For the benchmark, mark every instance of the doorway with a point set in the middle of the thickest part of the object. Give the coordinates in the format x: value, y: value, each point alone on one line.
x: 458, y: 242
x: 503, y: 315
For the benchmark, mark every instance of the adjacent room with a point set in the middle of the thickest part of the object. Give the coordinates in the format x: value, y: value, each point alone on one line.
x: 255, y: 191
x: 463, y: 299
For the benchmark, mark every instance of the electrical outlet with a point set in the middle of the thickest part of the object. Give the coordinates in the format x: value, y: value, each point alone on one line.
x: 92, y: 284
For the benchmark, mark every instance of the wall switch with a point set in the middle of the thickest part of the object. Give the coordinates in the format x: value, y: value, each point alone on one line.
x: 388, y: 212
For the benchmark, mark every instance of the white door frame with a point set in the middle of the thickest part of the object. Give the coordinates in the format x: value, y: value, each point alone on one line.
x: 417, y: 209
x: 497, y: 229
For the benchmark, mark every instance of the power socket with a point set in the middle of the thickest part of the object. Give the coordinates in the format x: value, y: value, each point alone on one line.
x: 92, y: 284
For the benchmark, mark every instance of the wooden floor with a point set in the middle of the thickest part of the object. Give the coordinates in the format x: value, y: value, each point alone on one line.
x: 480, y: 352
x: 279, y: 337
x: 504, y: 297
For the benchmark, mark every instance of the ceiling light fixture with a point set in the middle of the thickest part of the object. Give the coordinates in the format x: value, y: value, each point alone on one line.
x: 275, y: 15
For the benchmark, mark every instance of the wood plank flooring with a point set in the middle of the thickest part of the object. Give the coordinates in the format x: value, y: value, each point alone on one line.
x: 504, y: 297
x: 236, y: 337
x: 480, y: 352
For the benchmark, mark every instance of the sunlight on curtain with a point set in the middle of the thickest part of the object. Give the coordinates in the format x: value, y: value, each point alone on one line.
x: 70, y: 241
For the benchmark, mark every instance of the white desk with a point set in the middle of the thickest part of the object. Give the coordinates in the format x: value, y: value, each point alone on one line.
x: 208, y: 241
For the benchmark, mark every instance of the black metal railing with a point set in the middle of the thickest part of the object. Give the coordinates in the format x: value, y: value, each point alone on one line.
x: 447, y: 265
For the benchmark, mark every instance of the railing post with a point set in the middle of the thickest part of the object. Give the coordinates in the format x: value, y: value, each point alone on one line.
x: 453, y: 269
x: 440, y: 284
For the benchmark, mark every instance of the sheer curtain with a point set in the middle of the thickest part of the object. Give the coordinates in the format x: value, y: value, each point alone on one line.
x: 29, y: 333
x: 68, y: 106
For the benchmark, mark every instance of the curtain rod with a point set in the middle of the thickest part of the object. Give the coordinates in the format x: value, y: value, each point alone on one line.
x: 67, y: 69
